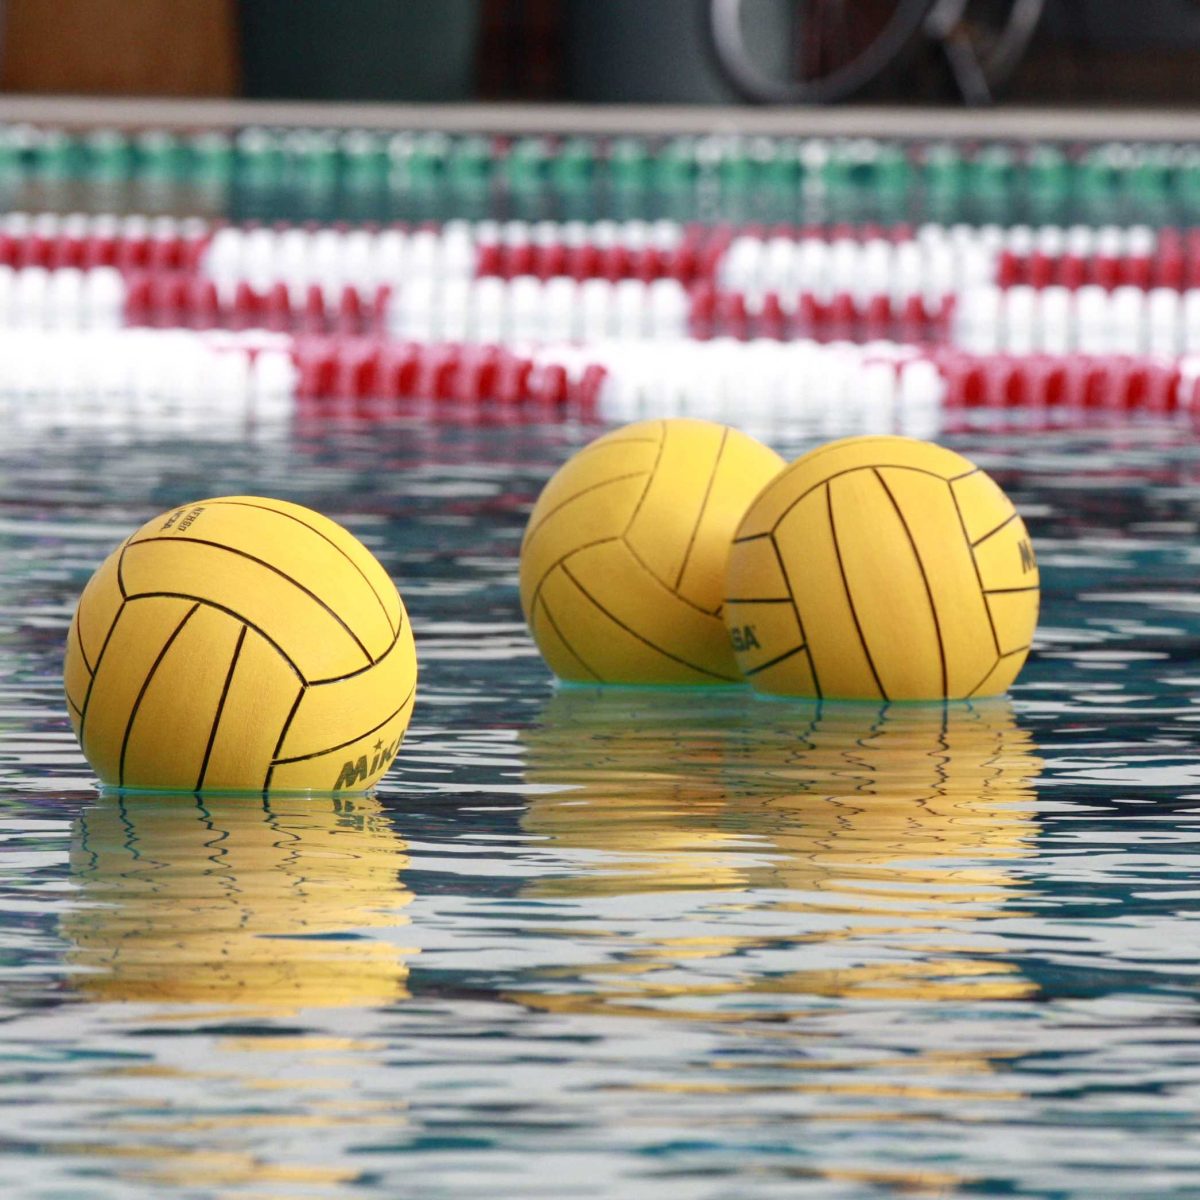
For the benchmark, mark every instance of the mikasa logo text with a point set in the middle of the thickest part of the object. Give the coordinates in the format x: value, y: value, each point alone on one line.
x: 356, y: 770
x: 174, y: 521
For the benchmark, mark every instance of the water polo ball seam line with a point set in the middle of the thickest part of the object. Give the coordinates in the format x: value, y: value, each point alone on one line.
x: 775, y: 661
x: 570, y: 649
x: 99, y: 659
x: 229, y: 612
x: 212, y: 733
x: 359, y: 670
x: 992, y: 532
x: 837, y: 550
x: 324, y: 537
x: 644, y: 640
x: 121, y: 566
x: 275, y: 570
x: 759, y: 600
x: 408, y: 699
x: 283, y: 732
x: 937, y: 624
x: 533, y: 530
x: 137, y: 703
x: 1010, y: 591
x: 704, y: 612
x: 863, y: 467
x: 82, y: 650
x: 986, y: 676
x: 978, y: 574
x: 637, y: 508
x: 787, y: 582
x: 992, y: 669
x: 537, y: 591
x: 712, y: 478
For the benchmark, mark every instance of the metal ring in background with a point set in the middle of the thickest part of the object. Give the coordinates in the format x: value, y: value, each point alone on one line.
x: 739, y: 65
x: 982, y: 65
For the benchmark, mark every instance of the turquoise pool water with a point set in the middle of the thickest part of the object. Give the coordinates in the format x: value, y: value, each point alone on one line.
x: 624, y: 944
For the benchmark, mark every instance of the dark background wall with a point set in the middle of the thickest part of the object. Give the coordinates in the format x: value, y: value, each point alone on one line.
x: 1088, y: 51
x: 1126, y: 24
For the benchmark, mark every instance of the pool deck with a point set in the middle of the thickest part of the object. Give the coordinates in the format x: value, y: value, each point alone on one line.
x: 1066, y: 124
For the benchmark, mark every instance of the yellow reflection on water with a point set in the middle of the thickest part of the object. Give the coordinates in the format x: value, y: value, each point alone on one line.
x: 256, y: 904
x: 248, y: 911
x: 867, y: 847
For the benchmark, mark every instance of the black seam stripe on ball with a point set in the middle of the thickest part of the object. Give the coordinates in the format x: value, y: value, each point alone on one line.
x: 121, y: 565
x: 120, y: 553
x: 537, y: 591
x: 708, y: 487
x: 87, y: 666
x: 837, y: 550
x: 324, y: 537
x: 237, y: 616
x: 992, y: 532
x: 637, y: 508
x: 986, y: 676
x: 661, y: 583
x: 775, y: 661
x: 937, y: 624
x: 1010, y: 591
x: 991, y: 670
x: 962, y: 521
x: 283, y: 730
x: 363, y: 669
x: 99, y: 659
x: 533, y: 530
x: 644, y: 640
x: 758, y: 600
x: 212, y: 733
x: 358, y: 737
x: 787, y: 583
x: 570, y: 649
x: 275, y: 570
x: 828, y: 479
x: 78, y: 710
x: 133, y: 712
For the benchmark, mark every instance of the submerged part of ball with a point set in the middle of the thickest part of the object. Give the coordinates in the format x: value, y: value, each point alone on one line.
x: 882, y: 568
x: 624, y: 556
x: 240, y: 644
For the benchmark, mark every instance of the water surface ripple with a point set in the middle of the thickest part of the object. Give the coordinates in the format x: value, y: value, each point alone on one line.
x: 627, y: 943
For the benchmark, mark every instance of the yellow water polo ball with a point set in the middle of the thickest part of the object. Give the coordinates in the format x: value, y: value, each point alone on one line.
x: 882, y: 568
x: 624, y: 556
x: 240, y: 644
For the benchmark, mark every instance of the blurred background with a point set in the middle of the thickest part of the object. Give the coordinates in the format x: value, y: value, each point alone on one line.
x: 584, y: 51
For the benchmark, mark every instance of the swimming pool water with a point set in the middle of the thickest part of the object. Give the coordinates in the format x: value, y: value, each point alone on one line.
x: 626, y: 943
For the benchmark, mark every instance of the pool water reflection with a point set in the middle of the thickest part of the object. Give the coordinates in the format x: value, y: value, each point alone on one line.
x: 587, y: 942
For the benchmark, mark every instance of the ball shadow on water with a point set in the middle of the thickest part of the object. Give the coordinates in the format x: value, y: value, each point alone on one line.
x: 834, y: 850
